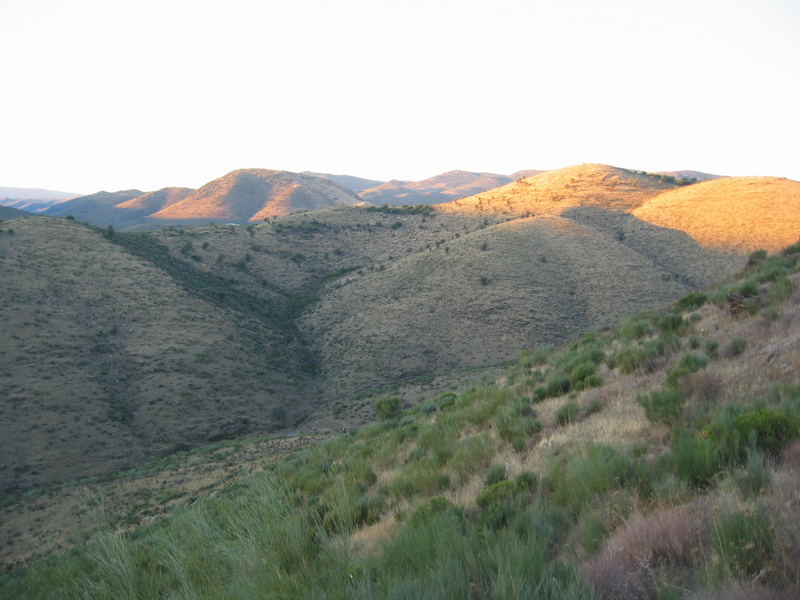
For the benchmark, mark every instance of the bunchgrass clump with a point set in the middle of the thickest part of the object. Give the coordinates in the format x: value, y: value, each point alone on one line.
x: 568, y: 413
x: 743, y: 541
x: 662, y: 406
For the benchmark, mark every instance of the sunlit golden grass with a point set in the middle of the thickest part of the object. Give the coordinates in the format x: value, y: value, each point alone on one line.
x: 553, y: 192
x: 738, y: 213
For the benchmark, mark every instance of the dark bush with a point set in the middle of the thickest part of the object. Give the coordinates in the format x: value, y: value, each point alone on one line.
x: 671, y: 322
x: 692, y: 301
x: 386, y: 408
x: 768, y: 430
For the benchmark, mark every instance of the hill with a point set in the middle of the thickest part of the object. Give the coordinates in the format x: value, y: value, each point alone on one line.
x: 656, y: 459
x: 99, y: 208
x: 16, y: 196
x: 111, y: 358
x: 732, y: 213
x: 357, y: 184
x: 122, y: 210
x: 480, y: 295
x: 690, y: 175
x: 8, y: 213
x: 553, y: 192
x: 173, y: 338
x: 437, y: 189
x: 253, y: 195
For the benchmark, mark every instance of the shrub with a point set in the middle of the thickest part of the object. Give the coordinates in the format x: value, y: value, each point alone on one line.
x: 632, y: 358
x: 495, y: 474
x: 496, y: 493
x: 436, y: 505
x: 581, y: 372
x: 445, y: 400
x: 753, y: 477
x: 593, y: 406
x: 471, y: 456
x: 527, y: 358
x: 634, y: 329
x: 592, y: 531
x: 780, y: 290
x: 671, y: 323
x: 747, y: 288
x: 692, y: 301
x: 557, y: 385
x: 387, y: 408
x: 515, y: 427
x: 736, y: 346
x: 689, y: 363
x: 527, y: 481
x: 743, y: 541
x: 574, y: 479
x: 696, y: 460
x: 663, y: 406
x: 567, y: 413
x: 768, y: 430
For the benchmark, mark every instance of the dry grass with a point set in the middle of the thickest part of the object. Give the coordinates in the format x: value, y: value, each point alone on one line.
x: 60, y: 518
x: 736, y: 213
x: 635, y: 556
x: 553, y: 192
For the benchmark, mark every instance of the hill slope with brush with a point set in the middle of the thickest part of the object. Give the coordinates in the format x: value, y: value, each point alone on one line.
x: 111, y: 358
x: 659, y: 458
x: 175, y: 338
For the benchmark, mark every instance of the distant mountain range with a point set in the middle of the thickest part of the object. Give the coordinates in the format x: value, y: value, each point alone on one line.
x: 31, y: 199
x: 253, y: 195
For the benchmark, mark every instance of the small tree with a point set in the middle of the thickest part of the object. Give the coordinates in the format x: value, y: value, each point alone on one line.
x: 386, y: 408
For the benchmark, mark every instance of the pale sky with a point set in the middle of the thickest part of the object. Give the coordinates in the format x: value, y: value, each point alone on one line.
x: 111, y: 95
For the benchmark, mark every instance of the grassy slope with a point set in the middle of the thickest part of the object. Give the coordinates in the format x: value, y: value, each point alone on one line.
x: 110, y: 358
x: 311, y: 312
x: 600, y: 501
x: 727, y: 215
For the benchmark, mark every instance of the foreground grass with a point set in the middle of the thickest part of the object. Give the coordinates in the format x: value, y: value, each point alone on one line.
x: 529, y: 485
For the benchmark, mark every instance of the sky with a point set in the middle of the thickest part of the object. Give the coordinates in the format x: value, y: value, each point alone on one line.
x: 112, y: 95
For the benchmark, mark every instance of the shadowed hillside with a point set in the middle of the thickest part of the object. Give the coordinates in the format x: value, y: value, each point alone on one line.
x: 438, y: 189
x: 110, y: 358
x: 32, y: 199
x: 121, y: 210
x: 7, y: 212
x: 485, y: 295
x: 96, y: 208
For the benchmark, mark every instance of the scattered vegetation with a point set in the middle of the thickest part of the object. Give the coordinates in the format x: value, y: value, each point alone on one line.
x: 517, y: 485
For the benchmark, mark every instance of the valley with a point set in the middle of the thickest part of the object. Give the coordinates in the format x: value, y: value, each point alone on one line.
x: 204, y: 352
